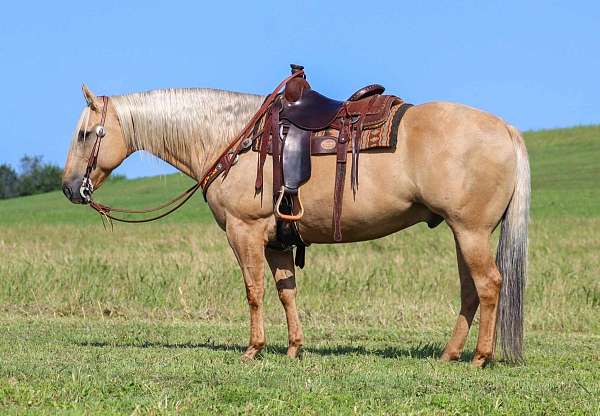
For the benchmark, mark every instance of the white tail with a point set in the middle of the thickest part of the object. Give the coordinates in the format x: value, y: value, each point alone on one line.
x: 511, y: 256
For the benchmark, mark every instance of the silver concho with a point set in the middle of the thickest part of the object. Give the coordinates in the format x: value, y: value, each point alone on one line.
x: 100, y: 131
x: 247, y: 143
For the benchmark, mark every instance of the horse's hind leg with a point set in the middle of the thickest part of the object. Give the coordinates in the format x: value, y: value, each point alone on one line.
x: 248, y: 244
x: 469, y: 301
x: 282, y: 267
x: 478, y: 260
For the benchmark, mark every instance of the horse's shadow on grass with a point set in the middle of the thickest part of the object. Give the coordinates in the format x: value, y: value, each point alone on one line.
x: 419, y: 351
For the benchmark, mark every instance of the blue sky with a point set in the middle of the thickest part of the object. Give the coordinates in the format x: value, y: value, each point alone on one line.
x: 534, y: 63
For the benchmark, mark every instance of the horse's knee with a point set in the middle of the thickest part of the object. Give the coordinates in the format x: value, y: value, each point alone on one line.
x: 286, y: 289
x: 286, y: 296
x: 254, y: 298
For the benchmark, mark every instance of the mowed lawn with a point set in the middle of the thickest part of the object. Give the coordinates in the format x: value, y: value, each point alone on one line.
x: 152, y: 319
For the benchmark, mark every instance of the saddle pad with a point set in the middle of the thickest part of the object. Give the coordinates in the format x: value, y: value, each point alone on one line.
x: 382, y: 136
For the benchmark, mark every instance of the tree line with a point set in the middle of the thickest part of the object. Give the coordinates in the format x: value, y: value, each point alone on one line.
x: 34, y: 177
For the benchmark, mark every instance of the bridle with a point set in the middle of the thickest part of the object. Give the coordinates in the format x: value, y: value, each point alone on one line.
x: 221, y: 165
x: 87, y: 187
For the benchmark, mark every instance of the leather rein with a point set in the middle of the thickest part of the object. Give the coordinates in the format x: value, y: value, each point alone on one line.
x: 221, y: 165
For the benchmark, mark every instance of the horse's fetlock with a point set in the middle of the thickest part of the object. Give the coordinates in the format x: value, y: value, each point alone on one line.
x: 483, y: 354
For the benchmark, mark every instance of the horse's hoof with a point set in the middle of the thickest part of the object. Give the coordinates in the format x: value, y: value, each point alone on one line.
x: 250, y: 354
x: 448, y: 357
x: 480, y: 360
x: 294, y: 352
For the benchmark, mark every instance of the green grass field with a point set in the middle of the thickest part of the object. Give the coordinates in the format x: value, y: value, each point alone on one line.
x: 152, y: 319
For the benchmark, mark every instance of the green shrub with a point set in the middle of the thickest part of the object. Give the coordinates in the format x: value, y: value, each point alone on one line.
x: 35, y: 177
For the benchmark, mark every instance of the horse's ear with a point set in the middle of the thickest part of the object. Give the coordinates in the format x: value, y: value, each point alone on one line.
x: 90, y: 97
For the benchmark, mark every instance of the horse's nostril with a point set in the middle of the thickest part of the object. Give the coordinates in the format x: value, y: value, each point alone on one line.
x: 68, y: 192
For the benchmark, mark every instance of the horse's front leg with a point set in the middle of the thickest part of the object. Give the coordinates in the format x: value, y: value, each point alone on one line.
x: 282, y: 267
x: 248, y: 242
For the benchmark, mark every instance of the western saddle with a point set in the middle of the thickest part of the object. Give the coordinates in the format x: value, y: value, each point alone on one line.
x: 299, y: 123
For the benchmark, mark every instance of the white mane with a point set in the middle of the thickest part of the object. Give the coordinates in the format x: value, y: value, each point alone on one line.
x: 183, y: 122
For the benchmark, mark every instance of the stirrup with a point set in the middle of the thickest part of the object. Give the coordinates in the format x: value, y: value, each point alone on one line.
x: 288, y: 217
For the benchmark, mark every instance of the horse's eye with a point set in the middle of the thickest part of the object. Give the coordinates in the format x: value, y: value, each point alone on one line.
x: 81, y: 136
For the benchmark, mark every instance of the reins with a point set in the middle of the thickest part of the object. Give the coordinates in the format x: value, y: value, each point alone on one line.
x: 106, y: 211
x: 222, y: 164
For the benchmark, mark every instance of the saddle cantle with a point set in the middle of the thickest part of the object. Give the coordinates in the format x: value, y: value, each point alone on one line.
x: 364, y: 92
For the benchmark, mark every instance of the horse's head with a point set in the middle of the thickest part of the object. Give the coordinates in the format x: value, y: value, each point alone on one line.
x: 97, y: 148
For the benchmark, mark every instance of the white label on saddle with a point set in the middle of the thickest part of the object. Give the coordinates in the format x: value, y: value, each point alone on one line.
x: 328, y: 144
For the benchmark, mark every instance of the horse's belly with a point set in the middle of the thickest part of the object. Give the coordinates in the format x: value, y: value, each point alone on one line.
x: 383, y: 203
x: 360, y: 228
x: 374, y: 213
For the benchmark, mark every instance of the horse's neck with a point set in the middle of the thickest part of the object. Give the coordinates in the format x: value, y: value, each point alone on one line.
x: 192, y: 137
x: 220, y: 138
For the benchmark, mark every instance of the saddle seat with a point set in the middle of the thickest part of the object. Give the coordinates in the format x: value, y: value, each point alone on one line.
x: 310, y: 110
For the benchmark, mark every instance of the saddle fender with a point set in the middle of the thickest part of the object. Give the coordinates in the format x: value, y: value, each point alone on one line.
x: 296, y: 159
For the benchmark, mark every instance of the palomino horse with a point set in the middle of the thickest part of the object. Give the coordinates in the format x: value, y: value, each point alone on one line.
x: 451, y: 162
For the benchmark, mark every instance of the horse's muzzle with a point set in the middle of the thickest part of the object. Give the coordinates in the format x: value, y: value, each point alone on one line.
x: 75, y: 193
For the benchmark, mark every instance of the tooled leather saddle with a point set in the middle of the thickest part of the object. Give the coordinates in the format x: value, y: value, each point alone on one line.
x: 291, y: 135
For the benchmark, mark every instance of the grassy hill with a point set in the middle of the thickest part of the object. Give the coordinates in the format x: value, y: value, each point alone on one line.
x: 152, y: 318
x: 565, y: 171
